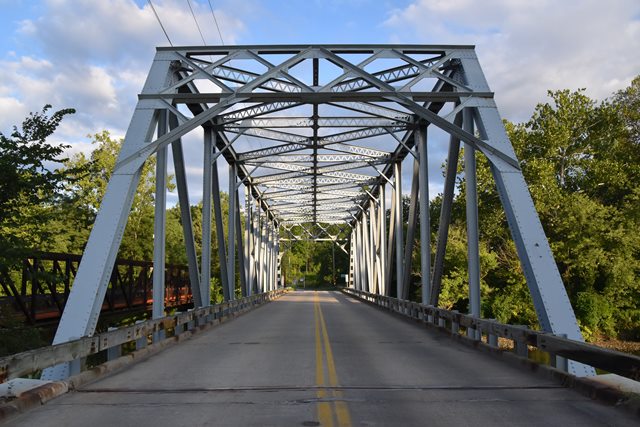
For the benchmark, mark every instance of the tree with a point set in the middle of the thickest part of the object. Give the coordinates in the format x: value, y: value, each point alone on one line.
x: 581, y: 161
x: 29, y: 182
x: 86, y: 192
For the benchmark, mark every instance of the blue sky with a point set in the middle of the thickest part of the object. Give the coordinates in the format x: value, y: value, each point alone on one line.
x: 94, y: 55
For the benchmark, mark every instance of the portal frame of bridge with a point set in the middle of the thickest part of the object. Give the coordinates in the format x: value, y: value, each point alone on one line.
x: 336, y: 123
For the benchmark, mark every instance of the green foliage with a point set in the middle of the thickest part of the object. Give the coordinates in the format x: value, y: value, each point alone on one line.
x: 15, y: 336
x: 596, y: 314
x: 581, y: 161
x: 86, y: 193
x: 29, y: 183
x: 314, y: 261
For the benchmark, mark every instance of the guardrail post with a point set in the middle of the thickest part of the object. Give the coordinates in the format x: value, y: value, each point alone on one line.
x: 160, y: 335
x: 191, y: 323
x: 75, y: 366
x: 492, y: 339
x: 115, y: 351
x: 455, y: 323
x: 142, y: 341
x: 520, y: 344
x: 473, y: 333
x: 559, y: 362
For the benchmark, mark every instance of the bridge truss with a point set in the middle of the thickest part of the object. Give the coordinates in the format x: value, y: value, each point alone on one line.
x: 315, y: 137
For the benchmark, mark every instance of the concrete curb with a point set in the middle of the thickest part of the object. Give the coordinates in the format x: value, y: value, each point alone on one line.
x: 32, y: 398
x: 591, y: 388
x: 46, y: 392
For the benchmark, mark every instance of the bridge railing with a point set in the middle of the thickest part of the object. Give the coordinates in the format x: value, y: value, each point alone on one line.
x: 114, y: 341
x: 558, y: 348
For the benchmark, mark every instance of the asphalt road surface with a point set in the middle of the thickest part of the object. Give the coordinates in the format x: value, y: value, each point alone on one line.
x: 321, y: 358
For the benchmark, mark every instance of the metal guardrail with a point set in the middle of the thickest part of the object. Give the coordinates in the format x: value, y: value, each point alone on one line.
x: 559, y: 348
x: 28, y: 362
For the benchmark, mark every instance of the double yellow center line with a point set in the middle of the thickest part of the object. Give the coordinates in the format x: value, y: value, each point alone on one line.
x: 326, y: 411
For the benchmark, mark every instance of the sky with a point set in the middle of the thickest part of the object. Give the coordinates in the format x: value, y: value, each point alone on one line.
x: 94, y: 55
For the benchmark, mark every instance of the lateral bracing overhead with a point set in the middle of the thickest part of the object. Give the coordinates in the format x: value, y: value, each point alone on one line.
x: 316, y: 138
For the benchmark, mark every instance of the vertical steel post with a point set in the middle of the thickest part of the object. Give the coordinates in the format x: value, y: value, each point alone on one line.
x: 248, y: 240
x: 270, y: 252
x: 160, y: 222
x: 390, y: 243
x: 352, y: 243
x: 363, y: 253
x: 366, y: 253
x: 425, y: 223
x: 217, y: 210
x: 411, y: 230
x: 358, y: 256
x: 263, y: 253
x: 267, y: 260
x: 397, y: 173
x: 445, y: 214
x: 241, y: 254
x: 231, y: 253
x: 255, y: 213
x: 275, y: 257
x: 185, y: 215
x: 372, y: 246
x: 279, y: 283
x: 259, y: 251
x: 382, y: 218
x: 472, y: 223
x: 205, y: 280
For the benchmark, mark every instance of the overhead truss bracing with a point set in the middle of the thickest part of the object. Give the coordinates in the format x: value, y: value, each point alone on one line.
x: 315, y: 138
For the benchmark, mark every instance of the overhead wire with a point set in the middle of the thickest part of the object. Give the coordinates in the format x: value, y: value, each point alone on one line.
x: 160, y: 22
x: 196, y: 21
x: 216, y: 21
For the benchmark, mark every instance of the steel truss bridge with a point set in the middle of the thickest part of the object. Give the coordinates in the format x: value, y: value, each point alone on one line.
x: 315, y: 139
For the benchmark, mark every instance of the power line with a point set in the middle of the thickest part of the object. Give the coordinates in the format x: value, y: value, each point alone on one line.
x: 196, y: 21
x: 216, y: 21
x: 160, y: 22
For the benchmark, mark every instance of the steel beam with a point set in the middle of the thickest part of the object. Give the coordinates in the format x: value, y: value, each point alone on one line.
x: 425, y: 223
x: 382, y: 245
x: 411, y: 230
x: 222, y: 251
x: 185, y: 217
x: 549, y: 295
x: 241, y: 253
x: 473, y: 251
x: 231, y: 241
x: 209, y: 143
x: 445, y: 214
x: 159, y: 223
x: 397, y: 201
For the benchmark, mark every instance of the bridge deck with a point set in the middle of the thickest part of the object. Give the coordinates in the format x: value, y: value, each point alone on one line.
x: 268, y: 367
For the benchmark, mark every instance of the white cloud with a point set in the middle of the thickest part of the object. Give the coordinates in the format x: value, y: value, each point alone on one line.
x: 94, y: 56
x: 528, y: 47
x: 12, y: 111
x: 119, y: 31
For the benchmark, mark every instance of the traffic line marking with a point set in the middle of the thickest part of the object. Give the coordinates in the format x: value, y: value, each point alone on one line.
x: 325, y: 414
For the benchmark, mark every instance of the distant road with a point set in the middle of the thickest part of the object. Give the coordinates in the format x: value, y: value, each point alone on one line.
x: 320, y: 358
